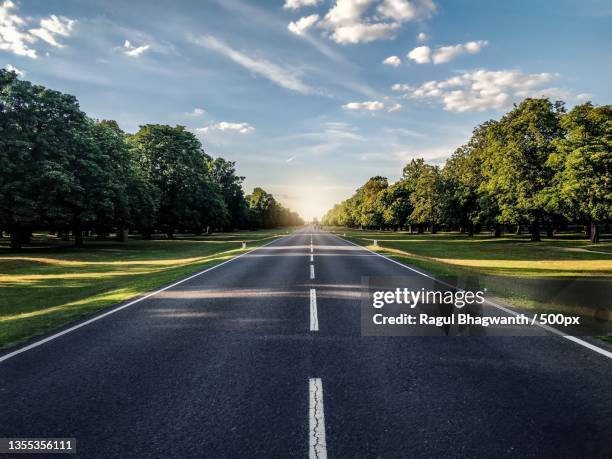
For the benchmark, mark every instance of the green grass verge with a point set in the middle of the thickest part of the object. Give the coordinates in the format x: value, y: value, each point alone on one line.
x: 49, y: 284
x: 564, y: 274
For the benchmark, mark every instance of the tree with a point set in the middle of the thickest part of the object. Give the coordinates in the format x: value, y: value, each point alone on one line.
x: 371, y: 207
x: 515, y: 166
x: 223, y: 176
x: 582, y: 185
x: 397, y: 207
x: 423, y: 182
x: 55, y: 175
x: 464, y: 203
x: 174, y: 162
x: 18, y: 123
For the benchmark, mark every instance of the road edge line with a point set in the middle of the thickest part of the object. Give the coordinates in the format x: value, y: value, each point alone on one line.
x: 572, y: 338
x: 124, y: 306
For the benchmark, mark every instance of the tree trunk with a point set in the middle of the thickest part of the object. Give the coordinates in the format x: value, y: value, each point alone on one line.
x: 25, y: 236
x: 434, y: 230
x: 15, y: 240
x: 534, y: 229
x: 497, y: 232
x: 419, y: 229
x: 170, y: 234
x: 122, y: 235
x: 549, y: 231
x: 78, y: 234
x: 470, y: 230
x: 518, y: 230
x: 594, y: 233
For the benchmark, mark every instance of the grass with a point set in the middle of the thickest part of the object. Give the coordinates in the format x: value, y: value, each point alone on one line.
x: 50, y: 284
x: 562, y: 274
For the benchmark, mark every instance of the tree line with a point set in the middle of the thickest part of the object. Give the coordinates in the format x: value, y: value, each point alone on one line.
x: 538, y: 167
x: 63, y: 172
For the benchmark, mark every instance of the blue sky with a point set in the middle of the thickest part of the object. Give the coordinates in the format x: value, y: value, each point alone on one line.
x: 312, y: 97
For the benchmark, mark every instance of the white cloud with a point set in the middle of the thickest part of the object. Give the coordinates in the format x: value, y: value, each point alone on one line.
x: 10, y: 68
x: 288, y: 160
x: 301, y: 25
x: 420, y: 54
x: 422, y: 37
x: 52, y: 26
x: 425, y: 55
x: 242, y: 128
x: 445, y: 54
x: 363, y: 32
x: 482, y: 89
x: 134, y: 51
x: 296, y: 4
x: 405, y: 10
x: 282, y: 76
x: 196, y: 112
x: 12, y: 36
x: 371, y: 106
x: 393, y: 61
x: 15, y: 38
x: 402, y: 87
x: 357, y: 21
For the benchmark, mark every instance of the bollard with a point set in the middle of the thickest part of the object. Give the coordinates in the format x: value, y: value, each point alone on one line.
x: 343, y: 234
x: 244, y: 245
x: 375, y: 243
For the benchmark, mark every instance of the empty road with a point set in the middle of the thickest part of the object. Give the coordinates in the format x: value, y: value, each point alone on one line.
x: 263, y: 357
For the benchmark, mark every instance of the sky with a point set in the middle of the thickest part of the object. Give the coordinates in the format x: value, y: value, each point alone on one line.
x: 312, y: 97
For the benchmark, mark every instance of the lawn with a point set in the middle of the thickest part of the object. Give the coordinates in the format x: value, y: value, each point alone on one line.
x: 565, y: 273
x: 50, y: 284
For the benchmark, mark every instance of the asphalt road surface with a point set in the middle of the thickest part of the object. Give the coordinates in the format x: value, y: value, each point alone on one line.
x: 263, y: 357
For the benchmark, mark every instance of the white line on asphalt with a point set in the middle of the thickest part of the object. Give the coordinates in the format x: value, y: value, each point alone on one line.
x: 317, y: 445
x: 576, y: 340
x: 112, y: 311
x: 312, y: 276
x: 314, y: 317
x: 311, y: 257
x: 311, y: 248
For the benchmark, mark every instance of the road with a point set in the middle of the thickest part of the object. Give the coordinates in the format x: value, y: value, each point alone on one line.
x: 263, y: 357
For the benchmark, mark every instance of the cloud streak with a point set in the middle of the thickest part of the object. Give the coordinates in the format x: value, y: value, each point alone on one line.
x: 278, y: 74
x: 371, y: 106
x: 241, y: 128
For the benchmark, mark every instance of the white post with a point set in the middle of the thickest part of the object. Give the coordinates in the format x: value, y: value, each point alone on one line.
x: 244, y: 245
x: 375, y: 242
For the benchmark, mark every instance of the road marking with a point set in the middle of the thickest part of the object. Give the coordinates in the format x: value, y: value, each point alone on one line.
x: 311, y: 257
x: 576, y: 340
x: 312, y: 276
x: 311, y: 248
x: 131, y: 303
x: 314, y: 317
x: 318, y: 446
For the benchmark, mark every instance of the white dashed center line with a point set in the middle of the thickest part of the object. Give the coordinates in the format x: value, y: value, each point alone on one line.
x: 314, y: 317
x: 312, y: 276
x: 318, y: 447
